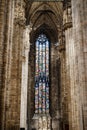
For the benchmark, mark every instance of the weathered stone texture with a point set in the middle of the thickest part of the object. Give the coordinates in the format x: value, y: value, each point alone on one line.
x: 24, y: 81
x: 79, y: 10
x: 6, y: 42
x: 65, y: 24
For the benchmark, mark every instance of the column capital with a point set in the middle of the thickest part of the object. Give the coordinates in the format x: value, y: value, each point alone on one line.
x: 61, y: 40
x: 26, y: 36
x: 19, y: 14
x: 67, y: 16
x: 61, y: 47
x: 28, y: 28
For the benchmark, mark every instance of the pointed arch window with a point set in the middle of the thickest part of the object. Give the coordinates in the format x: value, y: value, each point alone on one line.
x: 42, y: 75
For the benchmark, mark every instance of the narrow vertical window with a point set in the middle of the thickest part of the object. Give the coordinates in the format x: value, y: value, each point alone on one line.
x: 42, y: 75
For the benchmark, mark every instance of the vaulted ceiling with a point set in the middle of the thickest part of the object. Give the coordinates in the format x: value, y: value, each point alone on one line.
x: 44, y: 17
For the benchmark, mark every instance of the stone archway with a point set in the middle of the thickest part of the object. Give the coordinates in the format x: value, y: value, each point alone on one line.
x: 44, y: 20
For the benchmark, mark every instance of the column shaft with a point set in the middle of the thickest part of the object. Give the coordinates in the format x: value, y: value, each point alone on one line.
x: 24, y: 84
x: 79, y: 17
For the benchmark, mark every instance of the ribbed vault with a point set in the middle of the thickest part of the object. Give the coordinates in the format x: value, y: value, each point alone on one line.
x: 44, y: 17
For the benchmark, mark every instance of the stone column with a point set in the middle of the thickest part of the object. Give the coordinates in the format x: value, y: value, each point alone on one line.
x: 14, y: 95
x: 54, y: 87
x: 6, y: 18
x: 2, y: 24
x: 67, y: 25
x: 24, y: 84
x: 75, y: 66
x: 63, y: 118
x: 64, y: 96
x: 79, y: 18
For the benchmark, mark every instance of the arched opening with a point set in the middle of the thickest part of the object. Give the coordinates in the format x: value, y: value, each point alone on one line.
x: 45, y: 27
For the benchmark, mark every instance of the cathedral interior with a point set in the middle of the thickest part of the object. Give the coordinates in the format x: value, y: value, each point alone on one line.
x: 43, y: 65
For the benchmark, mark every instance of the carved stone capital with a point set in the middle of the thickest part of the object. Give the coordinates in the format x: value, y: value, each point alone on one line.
x: 27, y: 37
x: 19, y: 14
x: 67, y: 25
x: 61, y: 47
x: 20, y: 22
x: 67, y: 17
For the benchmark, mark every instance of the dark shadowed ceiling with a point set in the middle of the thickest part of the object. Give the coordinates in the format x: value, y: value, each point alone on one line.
x: 44, y: 17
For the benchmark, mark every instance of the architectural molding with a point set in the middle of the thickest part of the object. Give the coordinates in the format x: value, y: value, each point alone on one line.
x: 67, y: 17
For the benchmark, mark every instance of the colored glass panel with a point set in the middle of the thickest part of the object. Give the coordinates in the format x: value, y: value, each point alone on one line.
x: 42, y: 75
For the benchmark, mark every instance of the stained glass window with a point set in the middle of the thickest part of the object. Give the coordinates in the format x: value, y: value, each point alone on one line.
x: 42, y: 75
